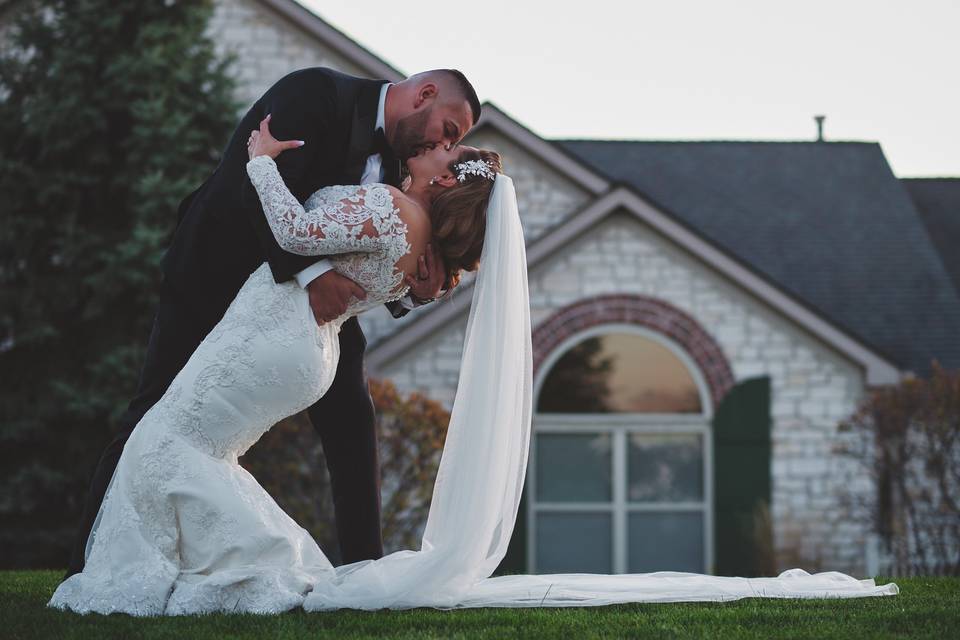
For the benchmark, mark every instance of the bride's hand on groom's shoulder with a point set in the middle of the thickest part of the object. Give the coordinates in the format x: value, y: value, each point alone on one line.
x: 262, y: 142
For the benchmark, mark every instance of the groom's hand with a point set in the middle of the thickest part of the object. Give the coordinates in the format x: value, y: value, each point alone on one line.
x: 331, y: 293
x: 430, y: 277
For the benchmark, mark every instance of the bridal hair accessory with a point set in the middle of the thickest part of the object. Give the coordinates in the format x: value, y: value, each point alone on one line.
x: 475, y: 167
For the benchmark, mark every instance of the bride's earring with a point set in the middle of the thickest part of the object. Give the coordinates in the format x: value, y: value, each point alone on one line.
x: 432, y: 181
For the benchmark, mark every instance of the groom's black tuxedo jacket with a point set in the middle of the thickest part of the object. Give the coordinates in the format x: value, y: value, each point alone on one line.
x: 222, y: 234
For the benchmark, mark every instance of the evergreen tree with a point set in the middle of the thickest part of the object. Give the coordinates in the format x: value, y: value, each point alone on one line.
x: 111, y: 112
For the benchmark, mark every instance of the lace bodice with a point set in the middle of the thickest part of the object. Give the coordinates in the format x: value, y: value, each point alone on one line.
x: 357, y: 227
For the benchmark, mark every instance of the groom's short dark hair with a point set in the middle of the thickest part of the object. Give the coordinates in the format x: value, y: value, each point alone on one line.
x: 469, y: 93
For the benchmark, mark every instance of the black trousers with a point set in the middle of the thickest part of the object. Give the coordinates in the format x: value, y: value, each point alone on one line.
x: 343, y: 417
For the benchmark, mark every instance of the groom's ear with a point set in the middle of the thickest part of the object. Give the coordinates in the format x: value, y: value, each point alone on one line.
x: 426, y: 93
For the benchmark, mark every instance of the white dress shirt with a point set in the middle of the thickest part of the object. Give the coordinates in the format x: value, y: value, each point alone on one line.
x: 372, y: 172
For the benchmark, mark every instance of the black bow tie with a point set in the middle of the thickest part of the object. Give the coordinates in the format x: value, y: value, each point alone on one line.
x: 389, y: 162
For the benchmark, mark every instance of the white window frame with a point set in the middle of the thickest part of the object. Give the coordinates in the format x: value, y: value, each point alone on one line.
x: 619, y: 426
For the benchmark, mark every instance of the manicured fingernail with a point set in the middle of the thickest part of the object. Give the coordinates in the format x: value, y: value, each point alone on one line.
x: 300, y: 142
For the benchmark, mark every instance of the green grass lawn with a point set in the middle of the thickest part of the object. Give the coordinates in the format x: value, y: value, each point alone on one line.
x: 924, y: 608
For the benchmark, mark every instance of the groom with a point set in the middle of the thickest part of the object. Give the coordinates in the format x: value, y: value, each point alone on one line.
x: 355, y: 131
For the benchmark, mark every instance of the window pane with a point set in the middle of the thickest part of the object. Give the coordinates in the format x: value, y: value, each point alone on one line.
x: 574, y: 543
x: 664, y: 467
x: 619, y: 373
x: 573, y: 467
x: 665, y: 541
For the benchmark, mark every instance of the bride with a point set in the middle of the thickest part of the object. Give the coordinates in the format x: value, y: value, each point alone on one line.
x: 185, y: 529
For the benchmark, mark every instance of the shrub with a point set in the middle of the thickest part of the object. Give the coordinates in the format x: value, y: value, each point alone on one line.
x: 907, y: 436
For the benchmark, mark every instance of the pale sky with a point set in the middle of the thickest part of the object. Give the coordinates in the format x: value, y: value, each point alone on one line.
x: 880, y: 70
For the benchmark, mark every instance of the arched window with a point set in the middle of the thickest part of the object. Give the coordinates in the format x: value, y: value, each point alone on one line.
x: 621, y: 478
x: 619, y: 373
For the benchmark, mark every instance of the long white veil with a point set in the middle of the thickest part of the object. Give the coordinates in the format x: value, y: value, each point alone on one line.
x: 479, y: 482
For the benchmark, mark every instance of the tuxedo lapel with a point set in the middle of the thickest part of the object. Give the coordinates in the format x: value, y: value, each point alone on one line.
x: 361, y: 130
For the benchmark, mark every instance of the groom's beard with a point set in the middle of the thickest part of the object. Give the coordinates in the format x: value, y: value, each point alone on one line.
x: 410, y: 134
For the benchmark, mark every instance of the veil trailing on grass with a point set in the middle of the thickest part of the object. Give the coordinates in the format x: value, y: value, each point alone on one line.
x: 480, y: 479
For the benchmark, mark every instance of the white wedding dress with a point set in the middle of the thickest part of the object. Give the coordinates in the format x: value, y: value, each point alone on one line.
x: 185, y: 529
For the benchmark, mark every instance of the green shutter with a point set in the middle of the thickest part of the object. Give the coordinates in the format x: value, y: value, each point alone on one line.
x: 741, y: 472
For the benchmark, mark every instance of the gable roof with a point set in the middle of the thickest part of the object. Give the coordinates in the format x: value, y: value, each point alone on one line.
x: 879, y: 368
x: 828, y: 221
x: 938, y: 201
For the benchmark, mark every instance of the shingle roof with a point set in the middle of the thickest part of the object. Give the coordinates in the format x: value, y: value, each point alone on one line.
x: 938, y: 201
x: 827, y: 221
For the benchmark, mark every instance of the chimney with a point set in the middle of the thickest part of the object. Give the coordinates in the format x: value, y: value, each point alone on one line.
x: 819, y: 120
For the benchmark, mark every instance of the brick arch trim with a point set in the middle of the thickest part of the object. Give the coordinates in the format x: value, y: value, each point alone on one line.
x: 643, y: 311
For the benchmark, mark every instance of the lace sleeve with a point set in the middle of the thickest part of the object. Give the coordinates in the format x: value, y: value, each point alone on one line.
x: 357, y: 218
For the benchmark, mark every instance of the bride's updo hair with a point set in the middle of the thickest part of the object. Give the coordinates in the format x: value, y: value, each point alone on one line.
x: 459, y: 215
